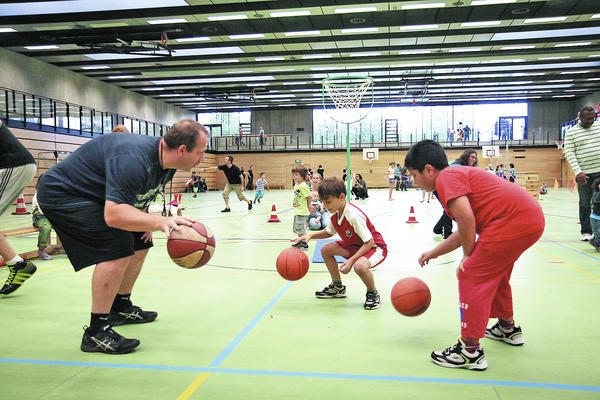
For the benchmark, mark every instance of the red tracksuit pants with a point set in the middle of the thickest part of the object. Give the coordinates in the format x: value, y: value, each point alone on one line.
x: 483, y: 287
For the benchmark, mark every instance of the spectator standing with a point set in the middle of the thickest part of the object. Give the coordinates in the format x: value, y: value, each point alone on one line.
x: 582, y: 151
x: 250, y: 180
x: 321, y: 171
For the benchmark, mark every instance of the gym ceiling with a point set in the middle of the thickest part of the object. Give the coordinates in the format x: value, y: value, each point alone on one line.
x: 227, y: 55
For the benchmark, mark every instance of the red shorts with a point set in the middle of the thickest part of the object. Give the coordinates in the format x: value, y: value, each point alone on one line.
x: 376, y: 255
x: 483, y: 287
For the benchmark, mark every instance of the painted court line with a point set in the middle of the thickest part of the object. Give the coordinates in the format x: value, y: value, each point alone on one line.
x: 537, y: 385
x: 232, y: 345
x: 572, y: 249
x: 568, y: 264
x: 193, y: 386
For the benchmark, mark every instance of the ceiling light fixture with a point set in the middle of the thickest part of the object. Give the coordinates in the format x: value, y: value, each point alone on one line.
x: 410, y: 52
x: 490, y: 2
x: 42, y: 47
x: 360, y: 30
x: 193, y: 39
x: 418, y: 27
x: 120, y: 76
x: 299, y: 13
x: 247, y: 36
x: 365, y: 54
x: 226, y: 17
x: 523, y: 47
x: 354, y: 10
x: 540, y: 20
x: 6, y: 30
x: 269, y: 58
x: 96, y: 67
x: 572, y: 44
x: 465, y: 49
x: 167, y: 21
x: 230, y: 60
x: 480, y: 23
x: 422, y: 5
x: 314, y: 56
x: 302, y: 33
x: 554, y: 58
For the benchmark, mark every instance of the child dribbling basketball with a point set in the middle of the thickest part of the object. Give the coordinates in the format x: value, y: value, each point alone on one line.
x: 361, y: 245
x: 508, y: 220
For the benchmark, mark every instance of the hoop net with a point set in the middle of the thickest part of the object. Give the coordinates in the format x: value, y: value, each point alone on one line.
x: 346, y: 93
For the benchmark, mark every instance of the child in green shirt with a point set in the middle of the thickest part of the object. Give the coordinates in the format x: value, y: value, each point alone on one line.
x: 302, y: 197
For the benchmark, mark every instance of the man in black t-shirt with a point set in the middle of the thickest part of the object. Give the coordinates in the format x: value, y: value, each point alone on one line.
x: 234, y: 182
x: 17, y: 169
x: 321, y: 171
x: 96, y: 200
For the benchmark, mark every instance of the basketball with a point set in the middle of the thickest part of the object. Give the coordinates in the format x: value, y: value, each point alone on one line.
x: 292, y: 264
x: 411, y: 296
x: 191, y: 246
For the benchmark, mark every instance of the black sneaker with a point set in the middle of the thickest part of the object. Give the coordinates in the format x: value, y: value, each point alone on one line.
x: 372, y: 301
x: 457, y: 357
x: 259, y: 199
x: 107, y: 341
x: 18, y: 274
x: 249, y: 205
x: 226, y: 210
x: 131, y: 315
x: 514, y: 337
x: 331, y: 291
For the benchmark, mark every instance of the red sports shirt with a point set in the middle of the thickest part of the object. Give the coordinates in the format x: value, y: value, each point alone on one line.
x: 354, y: 227
x: 503, y: 210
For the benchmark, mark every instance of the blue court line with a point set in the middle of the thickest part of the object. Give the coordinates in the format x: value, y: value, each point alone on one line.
x: 570, y: 248
x: 232, y: 345
x: 323, y: 375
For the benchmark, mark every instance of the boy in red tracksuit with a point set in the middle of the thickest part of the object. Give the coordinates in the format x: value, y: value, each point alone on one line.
x: 508, y: 221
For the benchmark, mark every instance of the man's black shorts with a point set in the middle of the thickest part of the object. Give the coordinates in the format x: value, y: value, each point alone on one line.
x: 86, y: 237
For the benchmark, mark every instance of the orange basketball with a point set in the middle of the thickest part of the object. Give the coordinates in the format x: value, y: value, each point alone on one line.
x: 191, y: 246
x: 292, y: 264
x: 411, y: 296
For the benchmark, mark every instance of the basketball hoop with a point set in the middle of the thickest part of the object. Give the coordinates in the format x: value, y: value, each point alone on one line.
x: 560, y: 144
x: 347, y: 92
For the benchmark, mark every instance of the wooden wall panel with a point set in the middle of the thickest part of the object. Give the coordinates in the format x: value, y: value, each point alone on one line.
x: 42, y: 144
x: 278, y: 166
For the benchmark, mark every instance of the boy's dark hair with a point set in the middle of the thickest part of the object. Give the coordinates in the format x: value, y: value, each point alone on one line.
x: 262, y: 173
x: 512, y: 165
x: 230, y: 159
x: 332, y: 186
x: 426, y: 152
x: 184, y: 132
x: 595, y: 184
x: 300, y: 169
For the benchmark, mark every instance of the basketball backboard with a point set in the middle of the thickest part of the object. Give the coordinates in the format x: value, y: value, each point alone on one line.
x: 371, y: 153
x: 490, y: 151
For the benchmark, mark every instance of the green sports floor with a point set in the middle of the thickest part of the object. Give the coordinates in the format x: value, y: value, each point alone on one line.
x: 235, y: 329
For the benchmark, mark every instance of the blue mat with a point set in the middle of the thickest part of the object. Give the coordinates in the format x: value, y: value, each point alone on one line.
x: 317, y: 258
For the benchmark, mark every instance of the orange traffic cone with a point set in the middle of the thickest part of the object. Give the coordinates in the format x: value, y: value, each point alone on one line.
x: 411, y: 216
x: 21, y: 209
x: 274, y: 217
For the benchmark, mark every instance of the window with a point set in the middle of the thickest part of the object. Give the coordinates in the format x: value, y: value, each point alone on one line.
x: 86, y: 120
x: 230, y: 122
x: 97, y: 122
x: 74, y: 118
x: 416, y: 123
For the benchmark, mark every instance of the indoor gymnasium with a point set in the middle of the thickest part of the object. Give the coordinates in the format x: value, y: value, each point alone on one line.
x: 300, y: 200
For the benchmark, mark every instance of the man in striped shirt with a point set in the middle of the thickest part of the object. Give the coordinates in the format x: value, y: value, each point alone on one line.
x: 582, y: 151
